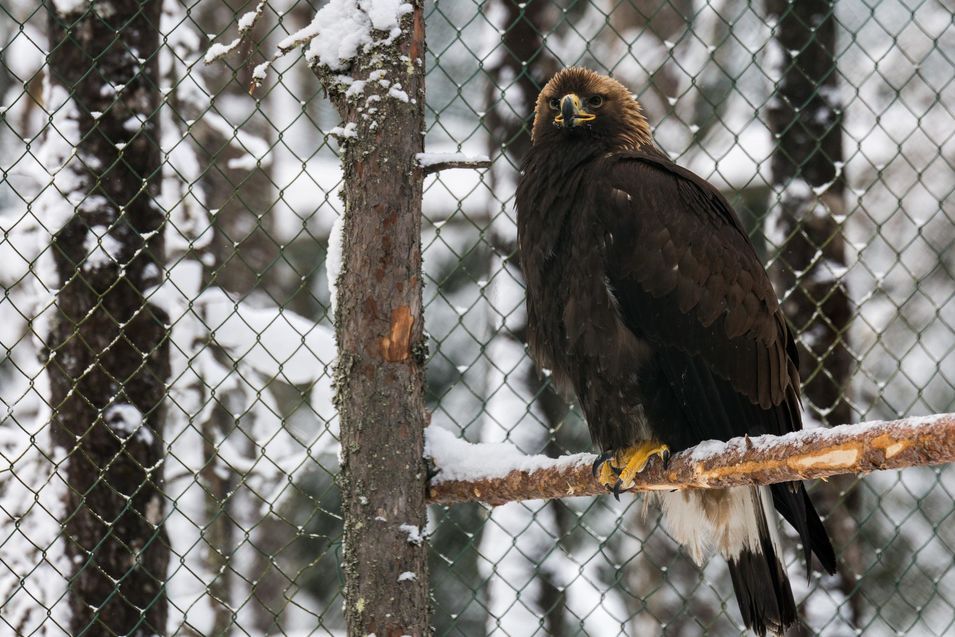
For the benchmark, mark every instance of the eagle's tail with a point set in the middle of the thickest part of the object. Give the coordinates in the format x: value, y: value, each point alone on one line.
x: 738, y: 521
x: 759, y: 578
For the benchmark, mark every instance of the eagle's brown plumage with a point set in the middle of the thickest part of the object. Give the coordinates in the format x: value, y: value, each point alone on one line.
x: 646, y: 298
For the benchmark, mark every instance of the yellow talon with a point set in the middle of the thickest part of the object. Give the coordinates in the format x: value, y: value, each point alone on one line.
x: 637, y: 457
x: 618, y: 471
x: 606, y: 474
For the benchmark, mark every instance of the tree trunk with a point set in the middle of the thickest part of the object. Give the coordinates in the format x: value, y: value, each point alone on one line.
x: 107, y: 351
x: 381, y: 345
x: 806, y: 118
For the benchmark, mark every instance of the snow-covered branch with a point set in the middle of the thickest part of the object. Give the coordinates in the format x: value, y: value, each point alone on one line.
x: 246, y: 24
x: 498, y: 473
x: 436, y: 162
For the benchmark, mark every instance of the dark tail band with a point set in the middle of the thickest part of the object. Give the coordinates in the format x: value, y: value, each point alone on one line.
x: 763, y: 592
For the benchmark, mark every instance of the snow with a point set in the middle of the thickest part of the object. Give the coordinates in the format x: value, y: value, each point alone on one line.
x: 68, y: 7
x: 101, y: 248
x: 344, y: 28
x: 348, y: 132
x: 276, y: 343
x: 126, y: 420
x: 260, y: 71
x: 708, y: 449
x: 333, y: 260
x: 255, y: 150
x: 58, y: 156
x: 247, y: 20
x: 458, y: 459
x: 430, y: 159
x: 396, y: 92
x: 134, y: 123
x: 355, y: 87
x: 33, y: 494
x: 413, y: 532
x: 218, y: 50
x: 407, y: 576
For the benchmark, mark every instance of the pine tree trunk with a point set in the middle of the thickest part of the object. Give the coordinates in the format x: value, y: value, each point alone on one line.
x: 381, y: 343
x: 107, y: 351
x: 806, y: 118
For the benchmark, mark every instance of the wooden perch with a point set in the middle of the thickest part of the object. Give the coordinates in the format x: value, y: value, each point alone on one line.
x: 814, y: 453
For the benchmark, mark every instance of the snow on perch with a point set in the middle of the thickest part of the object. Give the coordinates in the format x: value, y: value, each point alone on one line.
x: 500, y: 473
x: 426, y: 160
x: 458, y: 459
x: 434, y: 162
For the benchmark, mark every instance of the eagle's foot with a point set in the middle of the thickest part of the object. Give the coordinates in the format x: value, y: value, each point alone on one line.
x: 616, y: 470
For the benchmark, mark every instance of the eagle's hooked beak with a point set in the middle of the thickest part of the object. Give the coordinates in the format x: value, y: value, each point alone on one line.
x: 572, y: 112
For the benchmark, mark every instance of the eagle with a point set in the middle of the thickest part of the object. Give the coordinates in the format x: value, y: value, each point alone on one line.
x: 647, y: 300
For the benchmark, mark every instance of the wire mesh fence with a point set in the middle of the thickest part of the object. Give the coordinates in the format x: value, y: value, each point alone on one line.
x: 237, y: 192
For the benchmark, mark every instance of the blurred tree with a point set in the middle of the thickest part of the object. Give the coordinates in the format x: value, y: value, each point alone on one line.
x: 107, y: 352
x: 809, y: 201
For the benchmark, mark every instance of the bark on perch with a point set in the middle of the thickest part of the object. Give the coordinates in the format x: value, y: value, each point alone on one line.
x: 815, y: 453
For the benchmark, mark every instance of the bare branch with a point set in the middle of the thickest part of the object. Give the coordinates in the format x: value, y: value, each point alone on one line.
x: 815, y: 453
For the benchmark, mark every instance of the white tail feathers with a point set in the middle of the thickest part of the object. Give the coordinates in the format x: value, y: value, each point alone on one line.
x: 741, y: 524
x: 726, y: 519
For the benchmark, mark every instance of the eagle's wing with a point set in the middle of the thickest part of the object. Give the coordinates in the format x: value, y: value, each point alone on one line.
x: 688, y: 280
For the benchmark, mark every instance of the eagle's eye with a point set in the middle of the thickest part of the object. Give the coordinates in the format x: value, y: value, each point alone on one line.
x: 595, y: 101
x: 555, y: 104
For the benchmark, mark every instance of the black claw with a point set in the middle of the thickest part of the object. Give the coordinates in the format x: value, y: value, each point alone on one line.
x: 602, y: 458
x: 666, y: 458
x: 616, y: 490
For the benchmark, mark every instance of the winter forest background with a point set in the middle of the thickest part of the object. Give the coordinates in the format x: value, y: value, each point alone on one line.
x: 249, y: 187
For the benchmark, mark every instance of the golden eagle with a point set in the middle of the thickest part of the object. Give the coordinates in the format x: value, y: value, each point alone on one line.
x: 647, y: 299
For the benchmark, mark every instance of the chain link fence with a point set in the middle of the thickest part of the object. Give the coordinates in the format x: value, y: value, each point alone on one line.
x: 246, y: 186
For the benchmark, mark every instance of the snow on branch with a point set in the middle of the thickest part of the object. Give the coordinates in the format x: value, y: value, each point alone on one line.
x: 435, y: 162
x: 499, y: 473
x: 246, y: 23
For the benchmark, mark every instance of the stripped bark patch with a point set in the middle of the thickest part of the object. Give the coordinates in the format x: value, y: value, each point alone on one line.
x: 844, y: 456
x: 396, y: 347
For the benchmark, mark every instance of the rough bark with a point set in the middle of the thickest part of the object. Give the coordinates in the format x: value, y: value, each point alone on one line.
x: 806, y: 119
x: 107, y: 350
x: 379, y: 328
x: 807, y: 454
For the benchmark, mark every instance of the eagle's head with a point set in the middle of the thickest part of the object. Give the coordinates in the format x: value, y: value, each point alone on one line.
x: 578, y: 103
